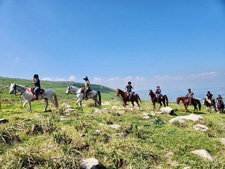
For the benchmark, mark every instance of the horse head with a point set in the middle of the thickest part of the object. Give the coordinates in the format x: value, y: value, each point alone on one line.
x: 12, y: 88
x: 150, y: 91
x: 68, y: 90
x: 178, y: 100
x: 118, y: 92
x: 204, y: 101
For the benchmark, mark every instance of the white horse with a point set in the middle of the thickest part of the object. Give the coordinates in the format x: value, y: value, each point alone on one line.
x: 27, y: 95
x: 80, y: 95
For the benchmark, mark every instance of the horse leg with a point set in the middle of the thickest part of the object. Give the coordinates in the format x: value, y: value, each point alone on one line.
x: 29, y: 107
x: 132, y: 103
x: 46, y: 105
x: 24, y: 105
x: 160, y: 106
x: 53, y: 102
x: 138, y: 104
x: 153, y: 105
x: 164, y: 103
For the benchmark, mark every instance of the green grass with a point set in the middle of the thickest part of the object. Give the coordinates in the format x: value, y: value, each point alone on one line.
x: 44, y: 141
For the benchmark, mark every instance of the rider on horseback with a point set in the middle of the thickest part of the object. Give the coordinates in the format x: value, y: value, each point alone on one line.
x: 190, y: 95
x: 37, y: 86
x: 219, y: 100
x: 128, y: 89
x: 158, y: 93
x: 87, y: 87
x: 209, y: 97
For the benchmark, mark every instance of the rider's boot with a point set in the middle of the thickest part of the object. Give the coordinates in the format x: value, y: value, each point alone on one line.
x: 86, y: 96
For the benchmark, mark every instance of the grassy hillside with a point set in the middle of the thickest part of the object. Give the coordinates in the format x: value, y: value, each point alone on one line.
x: 59, y: 87
x: 44, y: 140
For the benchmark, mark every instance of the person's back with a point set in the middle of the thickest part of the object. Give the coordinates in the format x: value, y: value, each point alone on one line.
x: 190, y: 95
x: 128, y: 89
x: 158, y: 93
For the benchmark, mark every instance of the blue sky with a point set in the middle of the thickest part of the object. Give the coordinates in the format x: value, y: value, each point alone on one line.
x: 175, y: 44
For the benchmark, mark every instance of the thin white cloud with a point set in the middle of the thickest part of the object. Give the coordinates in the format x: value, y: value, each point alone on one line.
x: 166, y: 77
x: 59, y: 79
x: 72, y: 78
x: 114, y: 79
x: 50, y: 79
x: 97, y: 79
x: 203, y: 75
x: 138, y: 78
x: 47, y: 79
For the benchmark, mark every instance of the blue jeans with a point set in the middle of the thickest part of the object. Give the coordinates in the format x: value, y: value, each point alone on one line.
x: 36, y: 89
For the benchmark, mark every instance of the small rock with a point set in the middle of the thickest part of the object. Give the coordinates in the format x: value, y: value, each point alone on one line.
x: 159, y: 112
x: 146, y: 114
x: 222, y: 140
x: 114, y: 126
x: 187, y: 167
x: 98, y: 131
x: 122, y: 134
x: 97, y: 111
x: 167, y: 110
x: 117, y: 108
x: 62, y: 118
x: 146, y: 117
x: 203, y: 154
x: 36, y: 116
x: 69, y: 110
x: 67, y: 114
x: 91, y: 163
x: 54, y: 158
x: 152, y: 113
x: 121, y: 112
x: 106, y: 110
x: 100, y: 124
x: 191, y: 117
x: 4, y: 121
x: 64, y: 105
x: 106, y: 103
x: 200, y: 127
x: 82, y: 135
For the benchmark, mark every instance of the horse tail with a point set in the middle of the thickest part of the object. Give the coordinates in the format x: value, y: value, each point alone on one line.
x: 139, y: 98
x: 199, y: 105
x: 167, y: 101
x: 56, y: 99
x: 100, y: 98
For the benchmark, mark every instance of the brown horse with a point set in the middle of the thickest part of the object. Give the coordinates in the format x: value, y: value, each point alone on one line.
x: 220, y: 106
x: 163, y: 99
x: 195, y: 102
x: 207, y: 104
x: 125, y: 98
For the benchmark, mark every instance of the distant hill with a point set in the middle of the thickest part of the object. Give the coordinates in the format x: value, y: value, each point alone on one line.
x: 59, y: 87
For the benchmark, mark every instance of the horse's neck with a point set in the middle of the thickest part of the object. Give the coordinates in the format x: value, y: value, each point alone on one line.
x: 20, y: 88
x: 75, y: 89
x: 152, y: 95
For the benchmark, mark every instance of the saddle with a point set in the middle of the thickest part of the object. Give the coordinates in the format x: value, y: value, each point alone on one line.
x: 190, y: 100
x: 39, y: 91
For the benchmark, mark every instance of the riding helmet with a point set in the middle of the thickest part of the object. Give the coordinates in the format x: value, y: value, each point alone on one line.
x: 36, y: 76
x: 129, y: 82
x: 85, y: 77
x: 158, y: 86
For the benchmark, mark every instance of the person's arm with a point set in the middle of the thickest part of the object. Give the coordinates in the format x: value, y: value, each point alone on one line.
x: 212, y: 97
x: 193, y: 95
x: 126, y: 88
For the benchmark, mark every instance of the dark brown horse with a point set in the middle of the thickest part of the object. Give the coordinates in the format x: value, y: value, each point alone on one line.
x: 163, y: 99
x: 220, y: 106
x: 125, y: 98
x: 194, y: 102
x: 207, y: 104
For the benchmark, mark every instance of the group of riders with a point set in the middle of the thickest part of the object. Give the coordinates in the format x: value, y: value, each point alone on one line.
x: 87, y: 88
